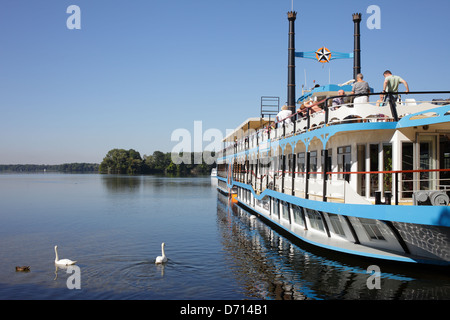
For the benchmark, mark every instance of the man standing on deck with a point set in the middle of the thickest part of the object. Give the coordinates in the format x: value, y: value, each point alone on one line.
x: 360, y: 87
x: 391, y: 83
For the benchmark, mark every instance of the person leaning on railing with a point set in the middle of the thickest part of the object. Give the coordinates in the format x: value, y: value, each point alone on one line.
x: 283, y: 116
x: 391, y: 84
x: 308, y: 105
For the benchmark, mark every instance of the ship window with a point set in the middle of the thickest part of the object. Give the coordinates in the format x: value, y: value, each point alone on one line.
x: 361, y: 182
x: 346, y: 149
x: 427, y: 161
x: 274, y: 166
x: 407, y: 164
x: 373, y: 155
x: 372, y: 230
x: 315, y: 219
x: 276, y: 208
x: 301, y: 164
x: 285, y: 210
x: 289, y: 164
x: 313, y: 163
x: 298, y: 218
x: 444, y: 159
x: 336, y: 224
x: 264, y: 166
x: 328, y: 168
x: 387, y: 166
x: 344, y: 162
x: 266, y: 203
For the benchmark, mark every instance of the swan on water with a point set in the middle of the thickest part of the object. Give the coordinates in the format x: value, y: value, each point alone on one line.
x: 163, y: 258
x: 63, y: 262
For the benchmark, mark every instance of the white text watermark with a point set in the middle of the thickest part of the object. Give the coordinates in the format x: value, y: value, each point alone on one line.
x: 374, y: 280
x: 74, y: 20
x: 74, y: 280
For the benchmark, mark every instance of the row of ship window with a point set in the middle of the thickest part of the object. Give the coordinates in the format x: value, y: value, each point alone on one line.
x: 280, y: 209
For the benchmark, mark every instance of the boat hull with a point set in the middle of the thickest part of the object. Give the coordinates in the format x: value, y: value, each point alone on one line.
x: 420, y: 238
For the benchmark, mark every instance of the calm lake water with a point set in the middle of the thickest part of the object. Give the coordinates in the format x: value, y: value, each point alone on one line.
x: 114, y: 226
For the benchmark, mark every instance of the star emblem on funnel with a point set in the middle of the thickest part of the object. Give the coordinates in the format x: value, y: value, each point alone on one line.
x: 323, y: 55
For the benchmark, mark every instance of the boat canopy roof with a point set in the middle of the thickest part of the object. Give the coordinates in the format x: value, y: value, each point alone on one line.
x: 243, y: 128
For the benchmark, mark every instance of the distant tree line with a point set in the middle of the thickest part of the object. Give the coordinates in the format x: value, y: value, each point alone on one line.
x: 66, y: 167
x: 121, y: 161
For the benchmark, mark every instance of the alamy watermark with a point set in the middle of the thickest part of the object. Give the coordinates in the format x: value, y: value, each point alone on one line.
x: 374, y: 21
x: 374, y: 280
x: 74, y: 20
x: 194, y: 142
x: 188, y: 143
x: 74, y: 280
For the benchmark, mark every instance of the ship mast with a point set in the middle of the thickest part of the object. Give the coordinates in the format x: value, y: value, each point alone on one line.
x: 357, y: 45
x: 291, y: 62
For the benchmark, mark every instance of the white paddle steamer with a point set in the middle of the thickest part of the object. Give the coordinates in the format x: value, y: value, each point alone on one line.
x: 367, y: 179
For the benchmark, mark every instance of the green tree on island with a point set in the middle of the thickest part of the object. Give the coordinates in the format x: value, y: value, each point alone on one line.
x: 121, y: 161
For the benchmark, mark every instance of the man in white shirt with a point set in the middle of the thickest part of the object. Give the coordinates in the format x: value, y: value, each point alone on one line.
x: 282, y: 115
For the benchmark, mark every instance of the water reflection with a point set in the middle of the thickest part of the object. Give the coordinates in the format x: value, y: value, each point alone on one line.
x: 119, y: 183
x: 269, y: 266
x: 62, y: 267
x: 115, y: 184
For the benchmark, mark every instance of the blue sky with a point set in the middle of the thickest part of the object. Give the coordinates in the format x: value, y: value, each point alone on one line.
x: 138, y: 70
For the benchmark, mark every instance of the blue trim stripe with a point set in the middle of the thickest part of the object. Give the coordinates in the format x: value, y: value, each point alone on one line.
x: 442, y: 115
x: 334, y: 55
x: 354, y: 252
x: 427, y: 215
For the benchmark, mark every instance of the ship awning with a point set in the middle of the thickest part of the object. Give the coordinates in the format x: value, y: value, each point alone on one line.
x: 252, y: 124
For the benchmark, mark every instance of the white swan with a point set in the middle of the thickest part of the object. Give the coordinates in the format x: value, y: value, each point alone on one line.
x: 63, y: 262
x: 163, y: 258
